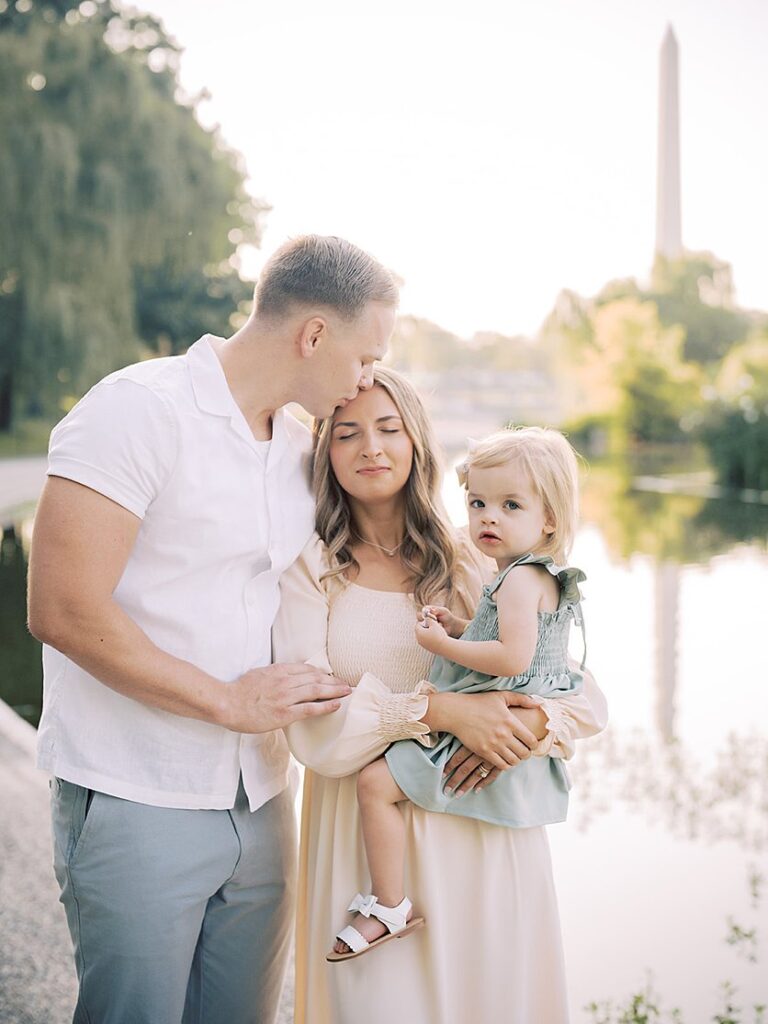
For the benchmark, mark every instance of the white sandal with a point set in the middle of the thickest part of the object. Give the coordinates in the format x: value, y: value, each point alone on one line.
x: 395, y: 919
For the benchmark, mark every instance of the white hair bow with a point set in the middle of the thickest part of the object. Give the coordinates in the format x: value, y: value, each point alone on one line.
x: 462, y: 470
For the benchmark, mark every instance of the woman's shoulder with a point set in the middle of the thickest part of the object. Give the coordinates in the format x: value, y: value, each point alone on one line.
x: 313, y: 563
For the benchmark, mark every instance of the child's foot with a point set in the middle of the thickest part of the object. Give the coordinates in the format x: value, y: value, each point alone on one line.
x: 369, y: 927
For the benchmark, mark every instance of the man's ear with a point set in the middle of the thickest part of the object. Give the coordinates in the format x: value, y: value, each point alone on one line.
x: 313, y: 332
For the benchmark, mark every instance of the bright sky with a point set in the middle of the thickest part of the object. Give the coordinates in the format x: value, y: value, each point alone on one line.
x: 490, y: 152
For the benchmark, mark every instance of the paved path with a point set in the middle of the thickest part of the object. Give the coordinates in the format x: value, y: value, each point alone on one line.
x: 37, y: 979
x: 37, y: 984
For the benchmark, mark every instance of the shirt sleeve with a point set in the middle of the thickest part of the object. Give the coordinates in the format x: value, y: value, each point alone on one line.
x: 371, y: 717
x: 119, y: 440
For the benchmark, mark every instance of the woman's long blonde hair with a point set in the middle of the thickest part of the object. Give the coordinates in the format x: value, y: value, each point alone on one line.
x: 429, y: 549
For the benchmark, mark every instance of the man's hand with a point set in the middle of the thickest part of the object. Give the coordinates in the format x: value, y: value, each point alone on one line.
x: 80, y: 550
x: 271, y: 698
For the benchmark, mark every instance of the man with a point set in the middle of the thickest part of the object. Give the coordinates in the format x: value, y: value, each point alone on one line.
x: 177, y: 493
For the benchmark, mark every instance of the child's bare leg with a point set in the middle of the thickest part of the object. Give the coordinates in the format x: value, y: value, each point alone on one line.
x: 384, y: 836
x: 383, y: 831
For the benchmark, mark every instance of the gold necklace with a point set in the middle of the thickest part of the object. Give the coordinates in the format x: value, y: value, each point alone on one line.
x: 390, y: 552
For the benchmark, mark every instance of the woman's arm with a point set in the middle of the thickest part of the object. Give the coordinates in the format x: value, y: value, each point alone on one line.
x: 486, y: 725
x: 371, y: 717
x: 562, y: 721
x: 572, y: 717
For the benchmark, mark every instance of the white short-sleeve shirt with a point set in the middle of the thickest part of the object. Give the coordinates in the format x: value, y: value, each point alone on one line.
x: 222, y: 515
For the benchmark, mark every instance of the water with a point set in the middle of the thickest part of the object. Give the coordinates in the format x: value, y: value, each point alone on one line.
x: 664, y: 851
x: 665, y: 848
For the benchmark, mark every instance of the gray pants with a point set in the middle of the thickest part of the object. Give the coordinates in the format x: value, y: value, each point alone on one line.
x: 175, y: 915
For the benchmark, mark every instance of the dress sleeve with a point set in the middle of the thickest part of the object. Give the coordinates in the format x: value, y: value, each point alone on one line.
x: 371, y: 717
x: 572, y: 717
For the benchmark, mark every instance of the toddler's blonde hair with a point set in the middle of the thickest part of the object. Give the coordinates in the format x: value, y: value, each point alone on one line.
x: 551, y: 465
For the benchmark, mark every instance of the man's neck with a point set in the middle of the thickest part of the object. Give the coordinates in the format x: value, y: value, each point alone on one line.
x: 244, y: 359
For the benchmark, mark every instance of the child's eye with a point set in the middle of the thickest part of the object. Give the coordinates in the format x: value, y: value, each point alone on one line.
x: 511, y: 504
x: 476, y: 503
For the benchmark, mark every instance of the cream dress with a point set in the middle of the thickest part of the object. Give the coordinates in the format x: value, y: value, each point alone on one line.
x: 491, y: 948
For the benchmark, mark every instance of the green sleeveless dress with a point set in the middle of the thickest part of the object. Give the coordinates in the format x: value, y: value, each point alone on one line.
x: 535, y: 792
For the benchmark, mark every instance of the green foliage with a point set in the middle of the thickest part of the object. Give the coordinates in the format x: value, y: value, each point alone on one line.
x: 735, y: 425
x: 21, y: 652
x: 697, y: 292
x: 112, y: 197
x: 667, y: 363
x: 620, y: 366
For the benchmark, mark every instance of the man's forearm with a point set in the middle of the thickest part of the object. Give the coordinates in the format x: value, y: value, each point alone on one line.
x: 110, y: 646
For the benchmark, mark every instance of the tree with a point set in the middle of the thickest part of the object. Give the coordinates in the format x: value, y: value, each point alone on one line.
x: 735, y: 426
x: 112, y: 197
x: 697, y: 292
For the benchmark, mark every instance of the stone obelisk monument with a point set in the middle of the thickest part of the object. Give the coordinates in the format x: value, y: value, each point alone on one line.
x: 668, y: 227
x: 669, y: 245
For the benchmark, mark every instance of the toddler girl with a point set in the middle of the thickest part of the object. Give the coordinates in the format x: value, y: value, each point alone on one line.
x: 522, y: 495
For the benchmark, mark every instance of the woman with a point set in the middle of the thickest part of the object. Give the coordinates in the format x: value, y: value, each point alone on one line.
x: 491, y: 949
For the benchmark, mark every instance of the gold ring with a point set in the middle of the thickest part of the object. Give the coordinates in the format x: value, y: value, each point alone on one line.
x: 483, y: 770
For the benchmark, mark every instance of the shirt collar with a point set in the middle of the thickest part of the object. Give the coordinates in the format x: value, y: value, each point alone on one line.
x: 209, y: 384
x: 213, y: 396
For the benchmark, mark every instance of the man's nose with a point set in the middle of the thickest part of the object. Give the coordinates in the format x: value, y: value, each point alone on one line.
x: 366, y: 379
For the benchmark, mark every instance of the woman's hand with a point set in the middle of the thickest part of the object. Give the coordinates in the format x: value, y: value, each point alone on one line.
x: 452, y: 624
x: 466, y: 771
x: 485, y: 725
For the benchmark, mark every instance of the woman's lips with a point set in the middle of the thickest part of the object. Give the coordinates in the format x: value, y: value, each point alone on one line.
x: 373, y: 470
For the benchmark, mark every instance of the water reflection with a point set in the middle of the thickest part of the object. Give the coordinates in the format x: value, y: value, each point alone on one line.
x: 671, y: 528
x: 672, y: 800
x: 670, y: 786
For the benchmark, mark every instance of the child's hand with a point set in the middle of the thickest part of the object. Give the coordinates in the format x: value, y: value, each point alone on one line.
x: 452, y: 624
x: 431, y: 635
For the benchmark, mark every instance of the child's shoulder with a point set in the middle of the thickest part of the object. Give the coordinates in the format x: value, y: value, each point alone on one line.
x: 524, y: 580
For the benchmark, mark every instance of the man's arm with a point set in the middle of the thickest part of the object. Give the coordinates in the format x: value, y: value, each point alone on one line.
x: 82, y: 541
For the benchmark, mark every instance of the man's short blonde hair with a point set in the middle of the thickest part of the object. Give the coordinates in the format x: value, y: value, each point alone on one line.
x: 324, y: 271
x: 551, y: 465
